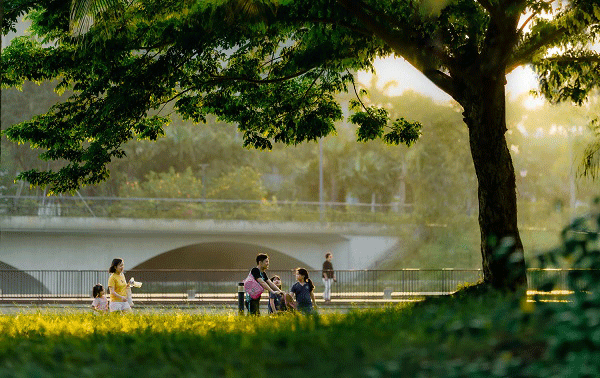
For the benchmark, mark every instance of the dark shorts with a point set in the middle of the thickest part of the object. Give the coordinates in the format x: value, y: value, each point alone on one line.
x: 253, y: 306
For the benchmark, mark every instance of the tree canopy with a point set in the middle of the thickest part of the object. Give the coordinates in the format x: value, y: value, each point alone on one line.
x: 273, y: 67
x: 269, y: 66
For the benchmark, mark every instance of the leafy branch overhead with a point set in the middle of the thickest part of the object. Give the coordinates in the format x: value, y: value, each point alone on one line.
x: 272, y: 67
x: 373, y: 120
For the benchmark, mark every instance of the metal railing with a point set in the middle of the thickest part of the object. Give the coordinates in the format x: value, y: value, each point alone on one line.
x: 199, y: 208
x: 193, y: 284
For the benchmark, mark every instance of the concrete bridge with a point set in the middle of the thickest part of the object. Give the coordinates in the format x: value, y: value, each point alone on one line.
x: 68, y: 243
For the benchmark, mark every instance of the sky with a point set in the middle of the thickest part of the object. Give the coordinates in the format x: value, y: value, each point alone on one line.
x: 406, y: 77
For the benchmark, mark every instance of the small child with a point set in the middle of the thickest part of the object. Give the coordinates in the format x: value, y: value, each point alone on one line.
x: 303, y: 290
x: 100, y: 303
x: 276, y: 302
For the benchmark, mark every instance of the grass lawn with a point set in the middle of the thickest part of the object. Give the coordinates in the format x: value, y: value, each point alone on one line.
x: 471, y: 335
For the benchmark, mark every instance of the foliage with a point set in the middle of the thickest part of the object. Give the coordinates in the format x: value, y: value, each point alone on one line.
x: 438, y: 246
x: 591, y: 166
x: 242, y: 183
x: 372, y: 121
x: 186, y: 145
x: 170, y: 184
x: 548, y: 143
x: 580, y: 248
x: 19, y: 106
x: 270, y: 74
x: 12, y: 12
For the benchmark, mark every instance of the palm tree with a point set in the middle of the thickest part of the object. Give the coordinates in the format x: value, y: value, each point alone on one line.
x: 83, y: 13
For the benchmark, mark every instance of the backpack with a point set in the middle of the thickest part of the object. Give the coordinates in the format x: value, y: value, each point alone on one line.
x: 252, y: 287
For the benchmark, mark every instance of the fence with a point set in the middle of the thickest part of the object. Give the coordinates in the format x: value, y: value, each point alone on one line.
x: 193, y: 284
x: 202, y: 208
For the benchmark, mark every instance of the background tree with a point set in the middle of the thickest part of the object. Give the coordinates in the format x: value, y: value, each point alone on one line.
x: 273, y: 67
x: 170, y: 184
x: 19, y: 106
x: 240, y: 183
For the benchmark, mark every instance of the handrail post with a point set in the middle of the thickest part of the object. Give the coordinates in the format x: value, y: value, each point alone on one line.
x: 241, y: 293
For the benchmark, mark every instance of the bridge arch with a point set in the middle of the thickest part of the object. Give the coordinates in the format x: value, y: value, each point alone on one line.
x: 45, y: 243
x: 218, y: 255
x: 15, y: 281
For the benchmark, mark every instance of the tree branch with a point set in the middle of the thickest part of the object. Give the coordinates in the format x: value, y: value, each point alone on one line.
x: 422, y: 56
x: 525, y: 56
x: 487, y: 5
x: 260, y: 81
x: 440, y: 79
x: 575, y: 59
x: 533, y: 14
x: 165, y: 102
x: 312, y: 84
x: 359, y: 100
x: 530, y: 48
x: 329, y: 21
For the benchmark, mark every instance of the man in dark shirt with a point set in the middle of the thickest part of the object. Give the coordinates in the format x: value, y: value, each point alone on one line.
x: 260, y: 275
x: 328, y: 277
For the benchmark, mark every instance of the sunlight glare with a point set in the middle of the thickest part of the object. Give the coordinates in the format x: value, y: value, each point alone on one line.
x: 396, y: 75
x: 400, y: 76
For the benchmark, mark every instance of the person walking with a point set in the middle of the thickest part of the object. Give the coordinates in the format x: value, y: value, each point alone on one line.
x: 260, y: 275
x: 328, y: 277
x: 303, y: 291
x: 118, y: 287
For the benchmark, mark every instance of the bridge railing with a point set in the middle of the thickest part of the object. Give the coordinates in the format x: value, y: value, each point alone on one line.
x: 199, y: 208
x: 165, y: 284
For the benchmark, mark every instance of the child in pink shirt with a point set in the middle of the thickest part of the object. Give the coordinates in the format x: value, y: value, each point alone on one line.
x: 100, y: 303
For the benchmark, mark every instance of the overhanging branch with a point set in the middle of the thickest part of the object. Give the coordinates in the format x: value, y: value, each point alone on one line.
x: 220, y: 78
x: 426, y: 62
x: 441, y: 80
x: 536, y: 42
x: 574, y: 59
x: 525, y: 55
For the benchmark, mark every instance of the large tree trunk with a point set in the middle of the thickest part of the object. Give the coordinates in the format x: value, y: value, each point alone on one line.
x: 501, y: 248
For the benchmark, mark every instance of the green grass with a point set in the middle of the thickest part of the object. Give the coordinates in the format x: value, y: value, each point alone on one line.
x: 471, y: 335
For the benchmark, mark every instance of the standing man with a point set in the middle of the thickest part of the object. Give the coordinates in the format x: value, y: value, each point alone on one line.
x: 328, y: 276
x: 258, y: 272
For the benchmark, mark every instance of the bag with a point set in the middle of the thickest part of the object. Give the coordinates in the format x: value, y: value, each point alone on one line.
x: 290, y: 303
x: 252, y: 287
x: 129, y: 297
